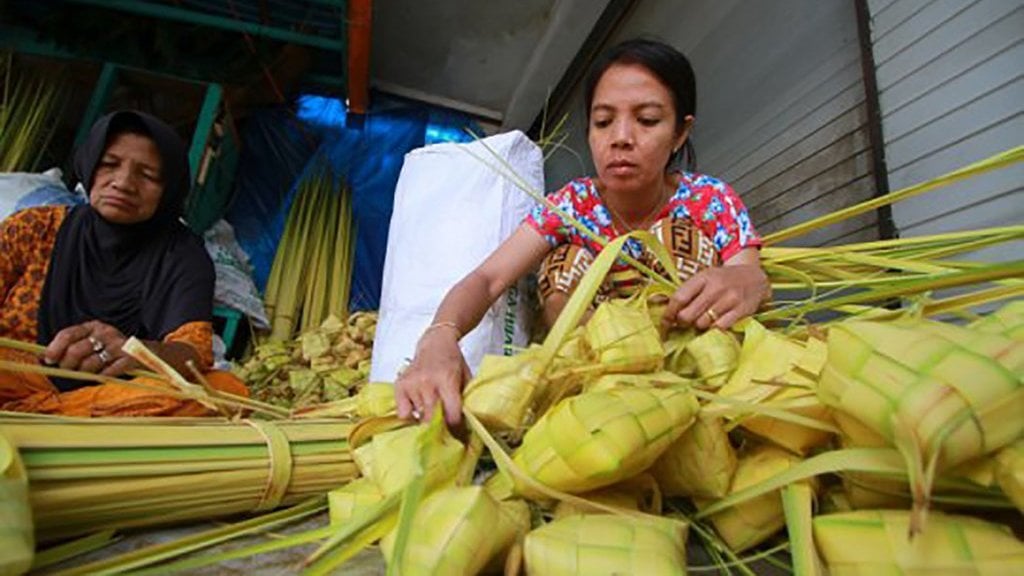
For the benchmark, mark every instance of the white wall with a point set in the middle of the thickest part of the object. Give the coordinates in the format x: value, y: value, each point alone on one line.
x: 780, y: 108
x: 951, y: 85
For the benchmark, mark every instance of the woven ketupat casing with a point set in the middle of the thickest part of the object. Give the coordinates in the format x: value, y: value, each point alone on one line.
x: 660, y: 379
x: 456, y: 531
x: 622, y: 338
x: 347, y: 501
x: 715, y: 354
x: 639, y: 493
x: 593, y: 440
x: 751, y: 522
x: 963, y: 398
x: 941, y: 394
x: 593, y: 545
x: 503, y: 390
x: 1007, y: 321
x: 1010, y: 473
x: 389, y: 458
x: 777, y: 368
x: 700, y: 463
x: 873, y: 542
x: 375, y: 399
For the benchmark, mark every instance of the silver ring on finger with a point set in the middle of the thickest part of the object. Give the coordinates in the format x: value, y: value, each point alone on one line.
x: 97, y: 346
x: 104, y: 356
x: 417, y: 413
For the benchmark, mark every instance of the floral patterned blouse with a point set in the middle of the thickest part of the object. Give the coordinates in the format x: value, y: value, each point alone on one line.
x: 709, y: 203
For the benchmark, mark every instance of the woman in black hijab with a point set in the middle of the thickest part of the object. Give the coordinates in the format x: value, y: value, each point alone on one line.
x: 123, y: 265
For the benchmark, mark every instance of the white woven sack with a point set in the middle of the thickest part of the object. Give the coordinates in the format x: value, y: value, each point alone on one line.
x: 451, y: 211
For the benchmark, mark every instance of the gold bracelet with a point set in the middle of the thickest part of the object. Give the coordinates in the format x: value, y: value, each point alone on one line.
x: 435, y: 325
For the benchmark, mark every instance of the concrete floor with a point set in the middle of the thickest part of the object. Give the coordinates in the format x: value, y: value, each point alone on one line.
x: 369, y: 562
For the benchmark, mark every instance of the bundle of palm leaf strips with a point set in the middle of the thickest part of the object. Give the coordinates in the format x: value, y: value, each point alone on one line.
x: 870, y: 440
x: 30, y: 103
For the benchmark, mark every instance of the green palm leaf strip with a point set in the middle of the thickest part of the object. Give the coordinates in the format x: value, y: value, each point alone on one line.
x: 988, y: 273
x: 159, y: 552
x: 1001, y: 160
x: 875, y: 460
x: 798, y: 504
x: 77, y: 547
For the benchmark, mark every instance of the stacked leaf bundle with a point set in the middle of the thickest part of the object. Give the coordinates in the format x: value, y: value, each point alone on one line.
x: 91, y: 474
x: 325, y: 364
x: 30, y: 105
x: 311, y: 277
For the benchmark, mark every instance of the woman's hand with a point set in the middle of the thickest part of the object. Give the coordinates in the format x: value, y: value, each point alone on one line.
x: 720, y: 296
x: 90, y: 347
x: 438, y: 372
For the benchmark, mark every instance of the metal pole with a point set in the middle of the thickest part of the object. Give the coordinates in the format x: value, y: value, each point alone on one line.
x: 886, y: 225
x: 98, y: 101
x: 207, y: 114
x: 167, y: 12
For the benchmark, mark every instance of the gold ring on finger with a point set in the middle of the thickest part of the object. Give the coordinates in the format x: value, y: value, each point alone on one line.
x: 712, y: 314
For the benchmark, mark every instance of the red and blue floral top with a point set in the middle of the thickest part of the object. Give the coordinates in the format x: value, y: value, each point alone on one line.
x: 709, y: 203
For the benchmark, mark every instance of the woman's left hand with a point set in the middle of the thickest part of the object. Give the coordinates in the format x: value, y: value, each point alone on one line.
x: 719, y: 296
x: 89, y: 347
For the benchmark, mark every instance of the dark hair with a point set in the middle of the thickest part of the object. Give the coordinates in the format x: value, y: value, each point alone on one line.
x: 669, y: 65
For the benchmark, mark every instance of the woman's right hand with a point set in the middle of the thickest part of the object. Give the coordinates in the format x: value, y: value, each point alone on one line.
x: 438, y: 372
x: 91, y: 346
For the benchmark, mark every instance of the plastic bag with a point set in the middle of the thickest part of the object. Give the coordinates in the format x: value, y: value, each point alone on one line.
x: 235, y: 287
x: 20, y: 190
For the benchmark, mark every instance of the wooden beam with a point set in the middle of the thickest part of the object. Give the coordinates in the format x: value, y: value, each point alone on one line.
x: 360, y: 14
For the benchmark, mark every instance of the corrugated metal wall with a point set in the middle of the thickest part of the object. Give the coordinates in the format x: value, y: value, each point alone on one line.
x: 780, y: 111
x: 951, y: 89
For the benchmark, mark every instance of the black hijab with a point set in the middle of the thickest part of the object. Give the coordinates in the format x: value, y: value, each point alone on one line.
x: 146, y: 279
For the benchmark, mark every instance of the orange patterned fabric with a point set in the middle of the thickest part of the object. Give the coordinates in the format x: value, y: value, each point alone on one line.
x: 198, y: 335
x: 26, y: 392
x: 15, y: 385
x: 26, y: 243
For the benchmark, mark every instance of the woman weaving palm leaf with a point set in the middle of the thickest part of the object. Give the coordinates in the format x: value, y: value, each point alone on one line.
x: 81, y: 280
x: 640, y: 105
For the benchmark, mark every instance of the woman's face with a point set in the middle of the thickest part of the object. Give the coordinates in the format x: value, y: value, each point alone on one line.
x: 632, y: 130
x: 128, y: 183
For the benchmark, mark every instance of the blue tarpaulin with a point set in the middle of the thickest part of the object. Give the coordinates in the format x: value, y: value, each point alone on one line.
x: 367, y: 154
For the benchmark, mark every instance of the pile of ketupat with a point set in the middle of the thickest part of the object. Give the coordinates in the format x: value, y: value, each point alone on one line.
x: 328, y: 363
x: 882, y: 440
